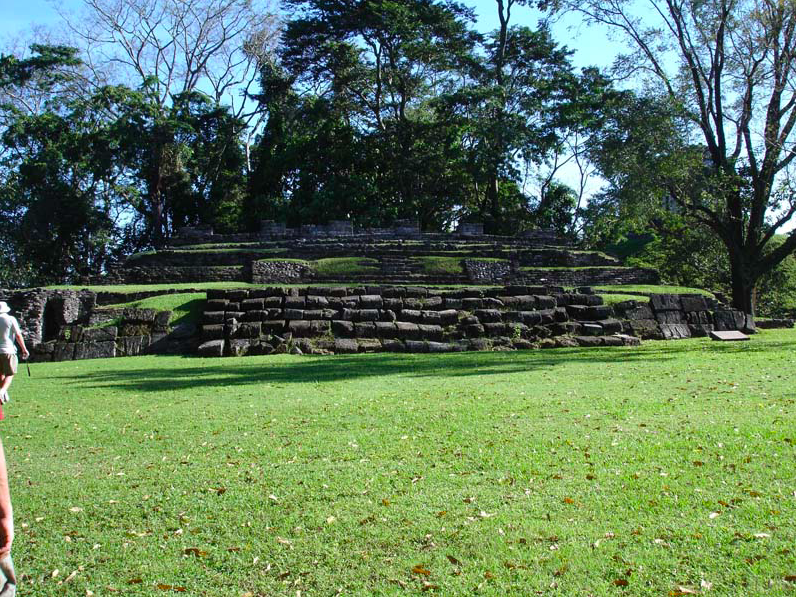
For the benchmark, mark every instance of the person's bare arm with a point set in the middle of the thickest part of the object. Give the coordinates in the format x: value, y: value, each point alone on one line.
x: 21, y: 344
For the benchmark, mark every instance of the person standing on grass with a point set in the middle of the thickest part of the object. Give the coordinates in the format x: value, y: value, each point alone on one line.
x: 9, y: 332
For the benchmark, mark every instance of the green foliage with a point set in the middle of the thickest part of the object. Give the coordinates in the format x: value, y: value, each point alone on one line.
x: 186, y: 307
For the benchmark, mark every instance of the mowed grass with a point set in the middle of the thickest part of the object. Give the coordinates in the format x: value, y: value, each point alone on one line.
x: 652, y: 471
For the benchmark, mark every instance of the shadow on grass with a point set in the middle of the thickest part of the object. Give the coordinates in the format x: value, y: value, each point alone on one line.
x: 221, y: 373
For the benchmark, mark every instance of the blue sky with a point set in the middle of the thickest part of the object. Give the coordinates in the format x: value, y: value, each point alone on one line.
x: 591, y: 45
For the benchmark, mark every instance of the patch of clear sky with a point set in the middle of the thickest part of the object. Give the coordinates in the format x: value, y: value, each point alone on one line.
x: 591, y: 45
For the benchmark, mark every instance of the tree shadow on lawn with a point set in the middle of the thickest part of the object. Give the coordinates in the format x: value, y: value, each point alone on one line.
x: 221, y: 373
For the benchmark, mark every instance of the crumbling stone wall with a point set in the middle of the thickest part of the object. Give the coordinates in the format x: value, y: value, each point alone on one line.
x: 286, y: 272
x: 411, y: 319
x: 61, y: 325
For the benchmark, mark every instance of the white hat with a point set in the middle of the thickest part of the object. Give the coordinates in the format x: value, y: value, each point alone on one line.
x: 4, y: 308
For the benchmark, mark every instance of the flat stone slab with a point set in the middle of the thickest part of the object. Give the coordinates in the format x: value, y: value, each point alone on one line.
x: 728, y: 336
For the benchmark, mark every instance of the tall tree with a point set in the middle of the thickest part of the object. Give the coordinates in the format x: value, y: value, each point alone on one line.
x: 728, y: 66
x: 378, y: 65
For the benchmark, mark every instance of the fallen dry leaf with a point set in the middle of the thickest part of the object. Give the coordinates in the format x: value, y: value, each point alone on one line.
x: 135, y: 581
x: 453, y: 560
x: 621, y: 582
x: 194, y: 551
x: 421, y: 569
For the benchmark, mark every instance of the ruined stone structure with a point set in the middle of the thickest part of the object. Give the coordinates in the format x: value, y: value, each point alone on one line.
x: 398, y: 255
x: 63, y: 325
x: 378, y: 302
x: 68, y: 325
x: 325, y: 320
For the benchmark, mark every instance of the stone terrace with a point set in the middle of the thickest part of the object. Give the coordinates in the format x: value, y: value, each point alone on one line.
x: 401, y: 255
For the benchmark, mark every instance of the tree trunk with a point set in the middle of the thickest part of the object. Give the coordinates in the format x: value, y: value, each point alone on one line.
x: 744, y: 282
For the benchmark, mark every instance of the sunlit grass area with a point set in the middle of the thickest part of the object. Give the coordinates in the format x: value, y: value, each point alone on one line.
x: 658, y: 470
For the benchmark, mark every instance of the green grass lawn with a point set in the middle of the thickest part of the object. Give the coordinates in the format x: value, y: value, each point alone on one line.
x: 651, y: 471
x: 186, y: 307
x: 654, y: 289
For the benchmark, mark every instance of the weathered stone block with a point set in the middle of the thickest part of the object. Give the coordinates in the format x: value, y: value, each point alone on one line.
x: 569, y: 327
x: 369, y: 345
x: 431, y: 317
x: 479, y: 344
x: 413, y: 304
x: 254, y: 316
x: 611, y: 326
x: 273, y: 326
x: 295, y: 302
x: 521, y: 344
x: 365, y: 329
x: 416, y: 346
x: 385, y: 329
x: 162, y: 319
x: 560, y: 314
x: 497, y: 329
x: 488, y: 315
x: 394, y: 304
x: 299, y: 328
x: 255, y: 304
x: 647, y: 329
x: 233, y: 315
x: 592, y: 329
x: 213, y: 348
x: 471, y: 304
x: 548, y: 316
x: 131, y: 345
x: 391, y: 345
x: 387, y: 315
x: 367, y: 315
x: 452, y: 303
x: 95, y: 350
x: 317, y: 302
x: 216, y: 304
x: 139, y: 315
x: 393, y: 292
x: 273, y: 302
x: 612, y: 341
x: 693, y: 303
x: 411, y: 315
x: 433, y: 303
x: 700, y: 330
x: 438, y: 347
x: 449, y: 317
x: 639, y: 312
x: 212, y: 332
x: 345, y: 346
x: 665, y: 302
x: 239, y: 347
x: 474, y: 330
x: 407, y: 331
x: 430, y: 332
x: 589, y: 341
x: 248, y: 330
x: 729, y: 319
x: 370, y: 301
x: 675, y: 331
x: 343, y: 328
x: 213, y: 317
x: 238, y: 295
x: 670, y: 317
x: 416, y: 292
x: 104, y: 334
x: 545, y: 302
